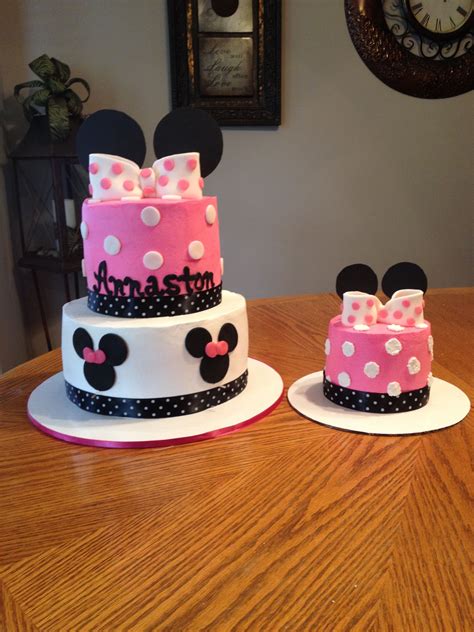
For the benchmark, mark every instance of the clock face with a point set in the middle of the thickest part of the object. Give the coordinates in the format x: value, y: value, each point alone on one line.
x: 442, y: 17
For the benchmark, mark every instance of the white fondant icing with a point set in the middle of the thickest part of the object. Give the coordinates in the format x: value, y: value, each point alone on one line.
x: 359, y: 308
x: 431, y: 345
x: 371, y: 369
x: 153, y: 260
x: 196, y: 249
x: 361, y: 327
x: 84, y: 230
x: 395, y: 327
x: 157, y: 364
x: 421, y: 326
x: 394, y: 389
x: 109, y: 185
x: 430, y: 379
x: 393, y: 346
x: 172, y: 197
x: 348, y: 348
x: 413, y: 366
x: 344, y: 379
x: 83, y: 267
x: 211, y: 214
x: 174, y: 171
x: 327, y: 346
x: 112, y: 245
x: 150, y: 216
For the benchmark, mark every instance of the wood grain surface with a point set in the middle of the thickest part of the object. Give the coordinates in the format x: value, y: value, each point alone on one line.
x: 286, y: 525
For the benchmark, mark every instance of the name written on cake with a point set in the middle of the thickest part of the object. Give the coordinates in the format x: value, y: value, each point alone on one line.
x: 171, y: 285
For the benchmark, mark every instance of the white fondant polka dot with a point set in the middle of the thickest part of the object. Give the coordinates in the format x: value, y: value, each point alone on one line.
x: 344, y: 379
x: 211, y: 214
x: 84, y: 230
x: 430, y: 379
x: 112, y: 245
x: 348, y: 349
x: 327, y: 346
x: 395, y: 327
x: 361, y: 327
x: 394, y: 389
x: 371, y: 369
x: 421, y: 325
x: 153, y: 260
x: 430, y: 345
x: 413, y: 366
x: 150, y: 216
x: 171, y: 196
x: 222, y: 266
x: 393, y: 346
x: 196, y: 249
x: 83, y: 267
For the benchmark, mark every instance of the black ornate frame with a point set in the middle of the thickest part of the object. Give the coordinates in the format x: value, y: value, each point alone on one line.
x: 264, y: 106
x: 396, y: 66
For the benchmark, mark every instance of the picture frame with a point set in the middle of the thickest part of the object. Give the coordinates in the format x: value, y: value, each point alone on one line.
x: 228, y: 65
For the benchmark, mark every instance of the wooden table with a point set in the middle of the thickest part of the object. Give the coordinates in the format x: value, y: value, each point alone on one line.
x: 284, y: 525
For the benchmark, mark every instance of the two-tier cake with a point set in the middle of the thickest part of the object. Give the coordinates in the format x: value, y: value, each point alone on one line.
x: 157, y: 335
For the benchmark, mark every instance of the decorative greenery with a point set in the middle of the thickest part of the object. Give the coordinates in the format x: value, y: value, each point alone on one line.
x: 54, y: 94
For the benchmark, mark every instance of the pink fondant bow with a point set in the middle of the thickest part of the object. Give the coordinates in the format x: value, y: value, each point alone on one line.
x: 94, y: 357
x: 404, y: 308
x: 214, y: 349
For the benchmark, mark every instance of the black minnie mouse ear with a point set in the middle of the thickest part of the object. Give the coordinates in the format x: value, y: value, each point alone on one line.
x: 115, y: 349
x: 356, y: 277
x: 110, y: 132
x: 403, y: 276
x: 196, y: 341
x: 229, y: 333
x: 80, y: 340
x: 190, y: 129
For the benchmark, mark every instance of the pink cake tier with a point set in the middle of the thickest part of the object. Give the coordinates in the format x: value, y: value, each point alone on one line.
x: 151, y: 257
x: 387, y: 359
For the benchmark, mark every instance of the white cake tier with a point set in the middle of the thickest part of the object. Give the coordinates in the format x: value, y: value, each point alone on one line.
x: 155, y: 357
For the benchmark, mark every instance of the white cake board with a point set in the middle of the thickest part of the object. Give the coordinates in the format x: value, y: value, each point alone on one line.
x: 448, y: 405
x: 51, y: 411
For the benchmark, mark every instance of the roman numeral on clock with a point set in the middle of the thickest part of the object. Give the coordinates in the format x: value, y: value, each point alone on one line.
x: 416, y: 8
x: 462, y: 11
x: 426, y: 19
x: 438, y: 25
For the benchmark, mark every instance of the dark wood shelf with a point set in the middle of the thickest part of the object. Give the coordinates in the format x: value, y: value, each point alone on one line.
x: 33, y: 261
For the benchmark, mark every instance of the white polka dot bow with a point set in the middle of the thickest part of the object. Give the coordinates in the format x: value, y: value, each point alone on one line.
x: 172, y: 177
x: 362, y: 310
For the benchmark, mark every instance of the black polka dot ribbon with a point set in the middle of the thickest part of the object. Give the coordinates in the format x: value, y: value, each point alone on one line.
x: 154, y: 306
x: 375, y: 402
x: 158, y: 407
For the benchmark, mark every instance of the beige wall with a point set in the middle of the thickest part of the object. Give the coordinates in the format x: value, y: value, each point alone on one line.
x: 355, y: 172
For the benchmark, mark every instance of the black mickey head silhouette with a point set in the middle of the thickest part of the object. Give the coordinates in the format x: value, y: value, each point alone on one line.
x: 215, y: 355
x: 99, y: 365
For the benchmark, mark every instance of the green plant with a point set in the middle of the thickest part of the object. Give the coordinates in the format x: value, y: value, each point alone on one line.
x: 54, y: 94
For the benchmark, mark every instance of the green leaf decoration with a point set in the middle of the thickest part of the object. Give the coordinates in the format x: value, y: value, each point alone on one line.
x: 43, y: 67
x: 83, y: 82
x: 56, y: 86
x: 74, y: 103
x: 35, y: 83
x: 55, y: 93
x: 58, y: 118
x: 40, y: 97
x: 63, y: 72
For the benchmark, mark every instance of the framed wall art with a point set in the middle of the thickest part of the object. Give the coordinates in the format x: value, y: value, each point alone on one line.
x: 225, y: 58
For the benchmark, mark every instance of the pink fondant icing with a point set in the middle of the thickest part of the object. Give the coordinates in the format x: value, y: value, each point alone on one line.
x: 406, y: 303
x: 93, y: 168
x: 397, y: 314
x: 201, y: 183
x: 182, y: 222
x: 370, y: 302
x: 105, y: 183
x: 183, y: 184
x: 369, y: 346
x: 169, y: 164
x: 383, y: 313
x: 128, y: 185
x: 163, y: 180
x: 191, y: 164
x: 117, y: 168
x: 356, y: 305
x: 146, y: 173
x: 148, y: 191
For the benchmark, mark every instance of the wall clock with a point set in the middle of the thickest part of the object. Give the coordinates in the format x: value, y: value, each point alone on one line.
x: 423, y: 48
